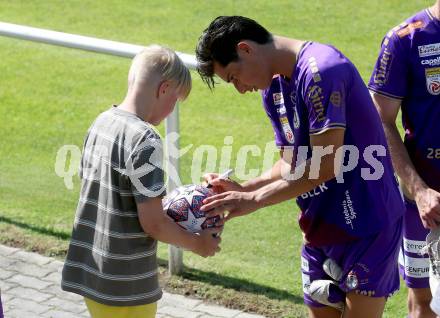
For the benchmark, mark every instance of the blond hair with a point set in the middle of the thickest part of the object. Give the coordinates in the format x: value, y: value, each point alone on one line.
x: 156, y: 60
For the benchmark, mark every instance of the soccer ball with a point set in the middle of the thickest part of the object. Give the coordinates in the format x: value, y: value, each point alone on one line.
x: 183, y: 206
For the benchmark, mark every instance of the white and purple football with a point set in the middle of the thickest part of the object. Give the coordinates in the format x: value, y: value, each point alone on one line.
x: 183, y: 206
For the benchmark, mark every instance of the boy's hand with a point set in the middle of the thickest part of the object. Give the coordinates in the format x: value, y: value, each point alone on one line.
x: 222, y: 185
x: 159, y: 226
x: 208, y: 243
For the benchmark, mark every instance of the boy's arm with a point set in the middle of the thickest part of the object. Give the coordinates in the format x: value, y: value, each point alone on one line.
x: 146, y: 174
x: 156, y: 224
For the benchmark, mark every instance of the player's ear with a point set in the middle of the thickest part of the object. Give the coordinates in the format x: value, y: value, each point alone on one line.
x: 244, y: 47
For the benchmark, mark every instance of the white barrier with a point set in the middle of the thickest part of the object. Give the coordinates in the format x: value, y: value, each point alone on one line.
x: 175, y: 263
x: 80, y: 42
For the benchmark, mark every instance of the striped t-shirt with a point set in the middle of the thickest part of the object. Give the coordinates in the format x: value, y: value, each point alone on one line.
x: 111, y: 259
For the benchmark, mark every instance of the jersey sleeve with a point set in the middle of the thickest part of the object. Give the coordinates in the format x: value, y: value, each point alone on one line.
x: 325, y: 94
x: 390, y: 74
x: 271, y: 97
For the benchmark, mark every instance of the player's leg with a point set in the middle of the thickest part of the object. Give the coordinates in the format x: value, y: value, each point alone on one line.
x: 370, y: 272
x: 324, y: 312
x: 359, y: 306
x: 312, y: 260
x: 414, y: 265
x: 418, y: 303
x: 98, y: 310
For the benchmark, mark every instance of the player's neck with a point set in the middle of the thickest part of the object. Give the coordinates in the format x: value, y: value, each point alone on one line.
x: 285, y: 54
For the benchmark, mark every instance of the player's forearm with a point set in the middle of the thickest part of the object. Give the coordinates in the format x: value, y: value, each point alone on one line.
x: 283, y: 189
x: 266, y: 178
x: 402, y: 162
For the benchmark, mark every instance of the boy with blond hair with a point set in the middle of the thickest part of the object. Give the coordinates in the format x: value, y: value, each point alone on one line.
x: 111, y: 259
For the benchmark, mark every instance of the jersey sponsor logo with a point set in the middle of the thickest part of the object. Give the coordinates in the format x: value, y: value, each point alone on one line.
x: 431, y: 62
x: 295, y: 110
x: 369, y: 293
x: 306, y: 283
x: 348, y: 210
x: 413, y: 246
x: 315, y: 70
x: 287, y: 130
x: 288, y: 133
x: 293, y: 96
x: 304, y: 264
x: 383, y: 69
x: 335, y: 98
x: 281, y: 110
x: 429, y: 50
x: 315, y: 192
x: 409, y: 28
x: 284, y: 120
x: 433, y: 80
x: 315, y: 97
x: 352, y: 281
x: 416, y: 267
x: 278, y: 98
x: 295, y: 118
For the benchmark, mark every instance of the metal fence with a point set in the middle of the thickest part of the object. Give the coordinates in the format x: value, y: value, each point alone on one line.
x: 121, y: 49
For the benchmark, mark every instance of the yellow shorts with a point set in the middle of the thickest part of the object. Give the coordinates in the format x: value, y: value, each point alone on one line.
x: 98, y: 310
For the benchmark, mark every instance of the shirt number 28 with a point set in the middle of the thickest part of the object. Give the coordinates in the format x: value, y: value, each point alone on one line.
x: 433, y: 153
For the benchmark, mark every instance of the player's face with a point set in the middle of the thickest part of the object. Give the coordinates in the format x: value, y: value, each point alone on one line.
x: 248, y: 74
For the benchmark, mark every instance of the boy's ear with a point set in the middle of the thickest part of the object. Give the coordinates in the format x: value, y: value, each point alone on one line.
x: 163, y: 88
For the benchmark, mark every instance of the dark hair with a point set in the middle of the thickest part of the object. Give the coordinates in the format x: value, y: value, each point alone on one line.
x: 218, y: 42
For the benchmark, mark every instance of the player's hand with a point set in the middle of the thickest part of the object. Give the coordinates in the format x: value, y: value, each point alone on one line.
x: 208, y: 242
x: 221, y: 185
x: 428, y: 203
x: 235, y: 203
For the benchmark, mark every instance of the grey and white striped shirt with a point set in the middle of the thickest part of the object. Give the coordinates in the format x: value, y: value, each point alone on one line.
x: 110, y: 258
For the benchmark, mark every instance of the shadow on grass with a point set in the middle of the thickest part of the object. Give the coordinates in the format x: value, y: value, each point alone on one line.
x: 37, y: 229
x: 237, y: 284
x: 188, y: 273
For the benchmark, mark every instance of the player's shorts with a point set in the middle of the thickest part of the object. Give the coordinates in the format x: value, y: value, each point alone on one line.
x: 369, y: 265
x: 413, y: 266
x: 98, y: 310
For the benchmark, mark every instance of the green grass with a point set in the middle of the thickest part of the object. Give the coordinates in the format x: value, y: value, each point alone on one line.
x: 50, y: 95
